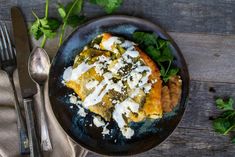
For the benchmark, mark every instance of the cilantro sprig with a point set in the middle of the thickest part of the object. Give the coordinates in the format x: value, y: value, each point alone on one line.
x: 108, y: 5
x: 70, y: 15
x: 159, y: 50
x: 225, y: 122
x: 45, y: 26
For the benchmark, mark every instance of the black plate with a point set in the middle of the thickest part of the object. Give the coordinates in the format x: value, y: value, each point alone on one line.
x: 149, y: 133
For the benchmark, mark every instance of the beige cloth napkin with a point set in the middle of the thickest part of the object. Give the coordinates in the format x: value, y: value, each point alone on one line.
x: 62, y: 145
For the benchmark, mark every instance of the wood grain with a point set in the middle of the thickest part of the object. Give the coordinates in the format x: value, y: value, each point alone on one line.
x: 194, y: 136
x: 208, y: 16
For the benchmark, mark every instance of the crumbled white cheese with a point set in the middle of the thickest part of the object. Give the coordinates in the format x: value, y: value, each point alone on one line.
x: 73, y: 99
x: 117, y: 87
x: 127, y: 132
x: 110, y: 42
x: 91, y: 84
x: 99, y: 69
x: 81, y: 112
x: 67, y: 73
x: 134, y: 79
x: 105, y: 131
x: 127, y: 44
x: 119, y: 64
x: 98, y: 121
x: 96, y: 46
x: 135, y: 92
x: 147, y: 87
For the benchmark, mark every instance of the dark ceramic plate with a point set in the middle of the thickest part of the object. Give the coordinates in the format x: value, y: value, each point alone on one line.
x: 149, y: 133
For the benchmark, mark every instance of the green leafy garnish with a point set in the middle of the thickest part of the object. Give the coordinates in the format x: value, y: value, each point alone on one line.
x: 108, y: 5
x: 45, y: 26
x: 225, y: 123
x: 70, y: 15
x: 224, y: 105
x: 159, y: 50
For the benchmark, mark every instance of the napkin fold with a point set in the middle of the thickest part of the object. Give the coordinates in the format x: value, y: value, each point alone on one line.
x: 62, y: 145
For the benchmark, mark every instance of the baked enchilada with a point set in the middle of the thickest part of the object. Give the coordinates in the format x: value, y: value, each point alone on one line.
x: 116, y: 80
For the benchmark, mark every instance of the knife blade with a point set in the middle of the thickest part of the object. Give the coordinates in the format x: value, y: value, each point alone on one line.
x: 28, y: 87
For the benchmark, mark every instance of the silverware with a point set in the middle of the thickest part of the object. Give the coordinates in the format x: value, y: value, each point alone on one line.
x: 28, y: 87
x: 39, y: 64
x: 8, y: 64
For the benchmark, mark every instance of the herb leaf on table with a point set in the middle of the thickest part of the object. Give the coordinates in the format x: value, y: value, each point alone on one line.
x: 45, y: 26
x: 225, y: 122
x: 159, y: 50
x: 70, y: 16
x: 108, y: 5
x: 225, y: 105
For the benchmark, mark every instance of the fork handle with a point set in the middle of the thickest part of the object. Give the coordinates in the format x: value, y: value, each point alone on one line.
x: 22, y: 132
x: 33, y: 140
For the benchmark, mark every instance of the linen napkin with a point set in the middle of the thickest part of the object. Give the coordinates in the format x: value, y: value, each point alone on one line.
x: 62, y: 145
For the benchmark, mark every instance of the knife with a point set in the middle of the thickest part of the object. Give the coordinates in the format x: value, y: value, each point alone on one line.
x: 28, y: 87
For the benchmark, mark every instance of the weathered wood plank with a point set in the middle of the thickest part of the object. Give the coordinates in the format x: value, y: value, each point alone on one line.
x: 209, y: 57
x: 195, y: 137
x: 210, y: 16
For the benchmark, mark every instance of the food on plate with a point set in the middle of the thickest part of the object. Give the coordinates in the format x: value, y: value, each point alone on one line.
x: 116, y: 80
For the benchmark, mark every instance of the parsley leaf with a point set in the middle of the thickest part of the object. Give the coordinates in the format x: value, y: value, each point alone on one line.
x: 221, y: 125
x: 171, y: 72
x: 108, y: 5
x: 225, y: 122
x: 45, y: 26
x: 224, y: 105
x: 145, y: 39
x: 159, y: 50
x: 70, y: 15
x: 35, y: 30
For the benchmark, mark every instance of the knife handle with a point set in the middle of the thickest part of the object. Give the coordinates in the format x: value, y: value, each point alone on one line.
x: 33, y: 141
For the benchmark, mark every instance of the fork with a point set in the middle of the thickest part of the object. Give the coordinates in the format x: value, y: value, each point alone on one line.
x: 8, y: 64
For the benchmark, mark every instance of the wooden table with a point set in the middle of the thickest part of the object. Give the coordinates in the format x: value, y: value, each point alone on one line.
x: 205, y: 32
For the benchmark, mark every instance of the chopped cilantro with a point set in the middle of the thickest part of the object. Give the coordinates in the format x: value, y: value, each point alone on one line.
x: 225, y: 123
x: 159, y: 50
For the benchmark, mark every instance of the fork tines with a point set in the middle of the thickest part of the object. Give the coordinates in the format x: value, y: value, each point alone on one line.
x: 6, y: 50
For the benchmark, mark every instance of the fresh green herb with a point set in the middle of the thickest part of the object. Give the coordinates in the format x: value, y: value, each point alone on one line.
x: 108, y: 5
x: 45, y: 26
x: 221, y: 104
x: 70, y: 15
x: 225, y: 123
x: 159, y: 50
